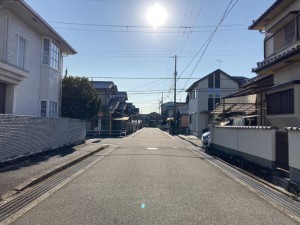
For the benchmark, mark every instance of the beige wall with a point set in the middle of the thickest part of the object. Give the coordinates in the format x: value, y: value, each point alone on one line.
x: 287, y: 74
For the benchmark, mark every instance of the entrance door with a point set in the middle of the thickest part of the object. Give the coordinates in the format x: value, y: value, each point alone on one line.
x: 282, y: 150
x: 2, y: 97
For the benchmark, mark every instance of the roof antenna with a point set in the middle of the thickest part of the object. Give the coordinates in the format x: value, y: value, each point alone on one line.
x: 220, y: 63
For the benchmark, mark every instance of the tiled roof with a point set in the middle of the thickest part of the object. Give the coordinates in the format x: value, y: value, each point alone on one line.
x: 241, y: 80
x: 102, y: 84
x: 113, y: 104
x: 278, y: 57
x: 255, y: 79
x: 122, y: 106
x: 120, y: 94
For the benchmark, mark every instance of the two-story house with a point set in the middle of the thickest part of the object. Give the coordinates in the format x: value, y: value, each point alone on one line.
x: 31, y: 62
x: 204, y: 94
x: 113, y: 106
x: 281, y: 25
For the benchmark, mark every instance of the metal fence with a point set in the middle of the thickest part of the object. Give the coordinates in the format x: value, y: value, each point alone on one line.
x: 26, y: 135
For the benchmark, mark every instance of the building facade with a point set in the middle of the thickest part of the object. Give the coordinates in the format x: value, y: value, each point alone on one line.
x: 31, y: 62
x: 205, y: 93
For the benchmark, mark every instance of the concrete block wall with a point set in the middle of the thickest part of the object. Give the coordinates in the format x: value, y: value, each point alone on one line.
x: 254, y: 144
x: 25, y: 135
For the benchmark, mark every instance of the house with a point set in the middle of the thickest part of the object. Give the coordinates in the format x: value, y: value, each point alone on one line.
x: 115, y: 112
x: 205, y: 93
x: 167, y: 109
x: 152, y: 119
x: 281, y: 60
x: 273, y: 96
x: 31, y: 62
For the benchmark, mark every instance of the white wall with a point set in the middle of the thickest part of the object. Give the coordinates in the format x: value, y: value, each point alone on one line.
x: 294, y: 149
x: 255, y: 142
x: 41, y: 83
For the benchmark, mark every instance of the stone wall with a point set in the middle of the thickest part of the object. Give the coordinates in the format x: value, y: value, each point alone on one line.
x: 25, y: 135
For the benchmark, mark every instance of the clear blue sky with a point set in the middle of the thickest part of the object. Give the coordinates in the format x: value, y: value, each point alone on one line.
x: 135, y: 50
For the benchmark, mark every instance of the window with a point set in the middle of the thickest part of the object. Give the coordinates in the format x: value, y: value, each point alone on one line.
x: 44, y: 108
x: 281, y: 102
x: 53, y: 109
x: 210, y: 104
x: 54, y: 55
x: 285, y: 36
x: 289, y: 33
x: 21, y: 52
x: 211, y: 92
x: 51, y: 53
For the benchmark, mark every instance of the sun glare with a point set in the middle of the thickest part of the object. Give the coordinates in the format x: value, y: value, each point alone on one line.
x: 156, y: 15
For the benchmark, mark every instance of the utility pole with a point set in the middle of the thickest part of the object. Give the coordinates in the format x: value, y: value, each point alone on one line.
x: 175, y: 78
x: 161, y: 103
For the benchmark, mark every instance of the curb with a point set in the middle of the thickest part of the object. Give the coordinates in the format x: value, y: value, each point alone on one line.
x: 37, y: 179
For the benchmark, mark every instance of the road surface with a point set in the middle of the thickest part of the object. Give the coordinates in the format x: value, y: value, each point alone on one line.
x: 152, y: 178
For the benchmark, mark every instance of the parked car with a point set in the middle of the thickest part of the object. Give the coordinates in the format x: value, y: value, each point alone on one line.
x: 206, y: 139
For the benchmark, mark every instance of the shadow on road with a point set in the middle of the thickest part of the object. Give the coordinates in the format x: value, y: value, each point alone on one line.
x: 34, y: 159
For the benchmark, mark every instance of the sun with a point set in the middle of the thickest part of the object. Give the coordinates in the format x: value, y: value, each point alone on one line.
x: 156, y: 15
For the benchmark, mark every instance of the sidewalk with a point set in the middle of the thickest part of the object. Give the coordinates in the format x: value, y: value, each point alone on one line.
x: 192, y: 139
x: 20, y: 175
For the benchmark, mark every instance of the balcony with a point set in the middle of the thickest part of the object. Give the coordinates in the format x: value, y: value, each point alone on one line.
x: 11, y: 74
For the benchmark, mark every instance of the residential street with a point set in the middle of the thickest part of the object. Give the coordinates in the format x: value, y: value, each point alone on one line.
x: 152, y: 178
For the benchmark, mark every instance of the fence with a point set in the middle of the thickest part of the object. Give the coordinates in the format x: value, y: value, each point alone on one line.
x: 25, y: 135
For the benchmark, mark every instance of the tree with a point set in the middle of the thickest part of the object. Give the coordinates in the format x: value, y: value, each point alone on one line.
x: 79, y: 98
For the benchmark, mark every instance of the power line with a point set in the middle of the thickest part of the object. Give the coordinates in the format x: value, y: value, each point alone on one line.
x: 140, y: 78
x: 208, y: 41
x: 144, y: 26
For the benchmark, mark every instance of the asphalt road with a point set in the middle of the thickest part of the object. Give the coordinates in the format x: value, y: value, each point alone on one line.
x: 152, y: 178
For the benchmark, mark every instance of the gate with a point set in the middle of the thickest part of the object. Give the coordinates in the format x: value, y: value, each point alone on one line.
x: 282, y: 150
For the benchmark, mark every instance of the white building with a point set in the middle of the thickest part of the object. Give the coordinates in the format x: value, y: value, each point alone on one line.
x: 31, y: 62
x: 205, y: 93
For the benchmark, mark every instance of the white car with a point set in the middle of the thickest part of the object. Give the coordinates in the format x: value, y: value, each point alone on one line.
x: 205, y: 138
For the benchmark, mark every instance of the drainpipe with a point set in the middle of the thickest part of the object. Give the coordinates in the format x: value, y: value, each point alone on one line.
x: 6, y: 33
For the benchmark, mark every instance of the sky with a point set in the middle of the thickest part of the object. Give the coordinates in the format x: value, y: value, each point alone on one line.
x: 116, y: 42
